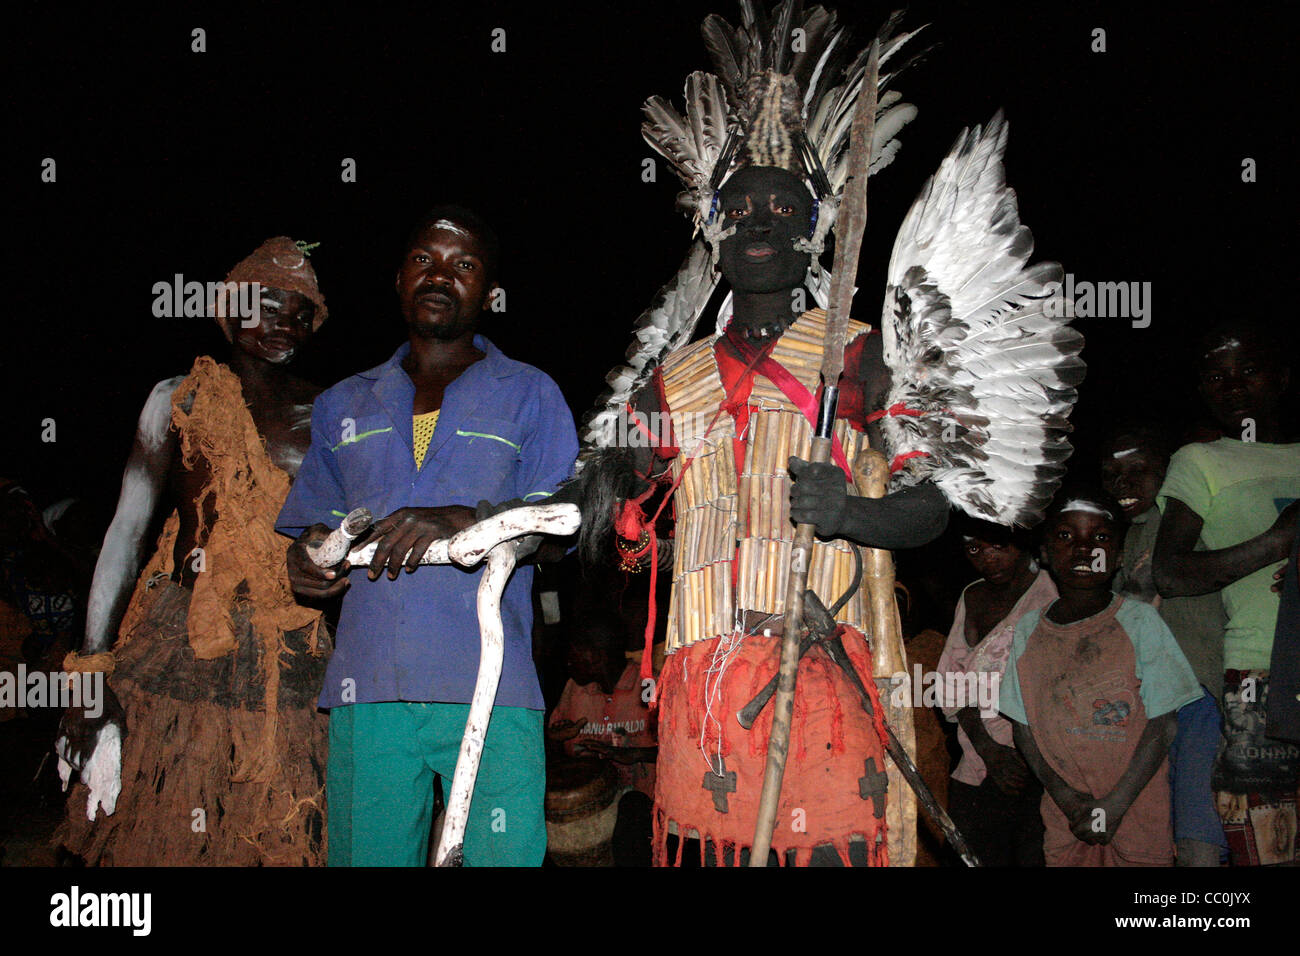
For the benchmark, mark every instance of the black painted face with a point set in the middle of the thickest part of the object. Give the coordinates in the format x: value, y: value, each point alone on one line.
x: 770, y: 208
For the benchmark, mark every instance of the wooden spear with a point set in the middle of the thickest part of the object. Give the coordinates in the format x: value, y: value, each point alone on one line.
x: 850, y: 225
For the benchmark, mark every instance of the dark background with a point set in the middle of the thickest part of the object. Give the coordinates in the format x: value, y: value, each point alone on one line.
x: 1127, y: 164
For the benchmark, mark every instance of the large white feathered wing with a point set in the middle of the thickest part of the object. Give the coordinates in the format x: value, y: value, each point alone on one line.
x: 975, y: 342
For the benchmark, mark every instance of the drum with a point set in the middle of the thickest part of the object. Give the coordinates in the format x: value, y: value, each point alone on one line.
x: 581, y: 810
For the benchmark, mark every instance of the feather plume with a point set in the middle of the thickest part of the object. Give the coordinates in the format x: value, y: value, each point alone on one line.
x: 666, y: 325
x: 727, y: 54
x: 691, y: 144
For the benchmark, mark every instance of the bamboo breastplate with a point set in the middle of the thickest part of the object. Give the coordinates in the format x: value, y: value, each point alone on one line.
x: 732, y: 512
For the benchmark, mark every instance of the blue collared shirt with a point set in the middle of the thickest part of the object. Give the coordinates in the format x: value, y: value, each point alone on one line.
x: 504, y: 432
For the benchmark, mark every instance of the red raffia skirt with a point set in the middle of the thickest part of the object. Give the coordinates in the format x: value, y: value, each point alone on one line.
x: 834, y: 747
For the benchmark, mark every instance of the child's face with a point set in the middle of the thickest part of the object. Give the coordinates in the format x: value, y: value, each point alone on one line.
x: 1240, y: 381
x: 1132, y: 475
x: 996, y: 563
x: 1082, y: 550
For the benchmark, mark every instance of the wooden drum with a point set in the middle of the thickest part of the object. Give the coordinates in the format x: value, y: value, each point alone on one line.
x: 581, y: 810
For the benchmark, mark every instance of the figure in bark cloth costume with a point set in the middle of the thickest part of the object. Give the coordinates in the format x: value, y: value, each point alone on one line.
x: 965, y: 386
x: 217, y: 747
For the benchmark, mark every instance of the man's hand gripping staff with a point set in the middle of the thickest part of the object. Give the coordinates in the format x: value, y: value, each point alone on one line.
x: 494, y: 541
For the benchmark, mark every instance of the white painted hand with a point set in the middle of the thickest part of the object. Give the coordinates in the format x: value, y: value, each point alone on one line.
x: 102, y: 771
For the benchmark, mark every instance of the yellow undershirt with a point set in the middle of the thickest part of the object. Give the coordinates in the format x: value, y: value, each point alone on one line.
x: 423, y: 432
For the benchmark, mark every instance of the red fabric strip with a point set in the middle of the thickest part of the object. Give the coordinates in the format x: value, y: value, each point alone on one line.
x: 900, y: 460
x: 794, y: 390
x: 652, y: 441
x: 893, y: 411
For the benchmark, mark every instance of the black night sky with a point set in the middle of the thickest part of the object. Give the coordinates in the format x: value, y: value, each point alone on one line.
x: 1128, y: 165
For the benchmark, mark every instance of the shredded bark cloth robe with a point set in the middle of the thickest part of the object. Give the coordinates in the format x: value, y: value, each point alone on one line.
x: 219, y: 683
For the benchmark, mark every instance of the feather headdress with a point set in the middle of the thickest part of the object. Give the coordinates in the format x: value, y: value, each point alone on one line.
x: 783, y: 94
x: 983, y: 374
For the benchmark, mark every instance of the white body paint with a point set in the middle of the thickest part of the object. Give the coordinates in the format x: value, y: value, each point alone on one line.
x: 102, y: 771
x: 450, y: 226
x: 1076, y: 504
x: 120, y: 557
x: 119, y: 563
x: 493, y: 538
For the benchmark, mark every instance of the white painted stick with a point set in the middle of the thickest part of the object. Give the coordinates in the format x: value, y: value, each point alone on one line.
x: 437, y: 554
x: 466, y: 548
x: 494, y: 537
x: 469, y: 547
x: 334, y: 548
x: 500, y: 565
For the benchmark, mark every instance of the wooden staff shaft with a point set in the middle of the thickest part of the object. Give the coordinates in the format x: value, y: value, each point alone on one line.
x: 851, y: 224
x: 778, y: 743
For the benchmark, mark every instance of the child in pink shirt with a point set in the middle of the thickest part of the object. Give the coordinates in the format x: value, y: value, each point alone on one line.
x: 993, y: 798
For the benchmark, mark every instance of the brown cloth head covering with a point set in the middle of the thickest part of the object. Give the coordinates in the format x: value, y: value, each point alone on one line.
x: 280, y: 263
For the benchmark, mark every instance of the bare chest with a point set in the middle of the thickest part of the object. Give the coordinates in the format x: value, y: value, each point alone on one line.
x: 286, y: 433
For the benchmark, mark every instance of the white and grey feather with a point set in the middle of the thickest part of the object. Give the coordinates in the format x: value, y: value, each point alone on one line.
x: 970, y: 345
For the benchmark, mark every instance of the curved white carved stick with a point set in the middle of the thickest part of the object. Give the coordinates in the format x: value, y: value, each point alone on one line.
x: 495, y: 538
x: 469, y: 547
x: 437, y: 554
x: 334, y: 548
x: 466, y: 548
x: 500, y: 565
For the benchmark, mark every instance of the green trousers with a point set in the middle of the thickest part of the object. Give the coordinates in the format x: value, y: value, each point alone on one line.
x: 382, y: 762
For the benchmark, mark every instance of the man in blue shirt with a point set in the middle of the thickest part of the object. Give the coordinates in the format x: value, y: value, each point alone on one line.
x: 446, y: 423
